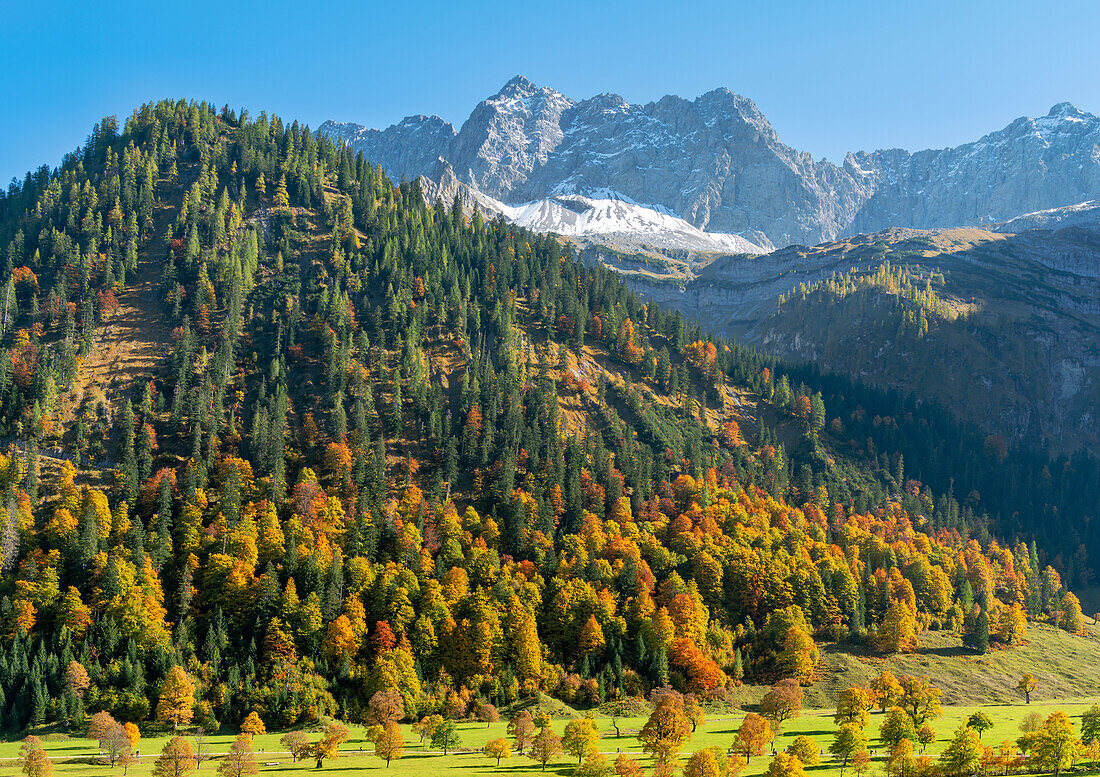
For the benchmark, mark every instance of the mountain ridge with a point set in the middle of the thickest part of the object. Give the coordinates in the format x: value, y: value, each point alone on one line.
x: 717, y: 163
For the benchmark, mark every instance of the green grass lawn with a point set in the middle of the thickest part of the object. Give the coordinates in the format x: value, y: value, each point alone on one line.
x: 1065, y: 666
x: 717, y: 730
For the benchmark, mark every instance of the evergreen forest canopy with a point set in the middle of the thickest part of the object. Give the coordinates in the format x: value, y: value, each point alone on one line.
x: 390, y: 448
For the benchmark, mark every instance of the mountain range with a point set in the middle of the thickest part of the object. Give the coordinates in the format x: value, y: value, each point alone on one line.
x: 718, y: 165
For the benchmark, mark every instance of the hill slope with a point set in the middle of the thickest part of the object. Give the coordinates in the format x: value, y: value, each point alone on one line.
x: 394, y: 449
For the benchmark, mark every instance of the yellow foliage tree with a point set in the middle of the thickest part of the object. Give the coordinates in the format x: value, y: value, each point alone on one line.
x: 898, y: 631
x: 498, y: 749
x: 253, y: 725
x: 800, y: 655
x: 177, y: 698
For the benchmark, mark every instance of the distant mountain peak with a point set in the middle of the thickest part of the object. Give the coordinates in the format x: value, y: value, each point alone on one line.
x: 1063, y: 110
x: 517, y: 86
x: 717, y: 163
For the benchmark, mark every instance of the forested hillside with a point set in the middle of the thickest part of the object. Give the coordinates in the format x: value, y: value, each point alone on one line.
x: 1012, y: 315
x: 372, y: 445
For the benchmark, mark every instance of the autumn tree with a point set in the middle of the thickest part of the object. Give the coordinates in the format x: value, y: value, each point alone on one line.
x: 901, y: 762
x: 1072, y: 619
x: 580, y: 737
x: 133, y: 733
x: 76, y: 679
x: 253, y: 726
x: 785, y: 765
x: 963, y: 755
x: 127, y: 759
x: 805, y: 749
x: 783, y: 701
x: 488, y: 714
x: 389, y: 745
x: 426, y: 726
x: 282, y: 197
x: 799, y: 656
x: 176, y: 759
x: 1092, y: 752
x: 522, y: 729
x: 896, y: 726
x: 848, y: 741
x: 919, y: 698
x: 114, y: 742
x: 1027, y: 686
x: 497, y: 748
x: 328, y: 746
x: 595, y: 765
x: 753, y: 735
x: 240, y: 761
x: 625, y: 766
x: 702, y: 763
x: 886, y: 691
x: 861, y: 762
x: 34, y: 760
x: 854, y: 706
x: 693, y: 710
x: 545, y: 746
x: 926, y: 735
x: 1054, y: 746
x: 385, y: 706
x: 177, y: 698
x: 666, y: 730
x: 296, y: 742
x: 591, y: 637
x: 98, y: 725
x: 898, y: 630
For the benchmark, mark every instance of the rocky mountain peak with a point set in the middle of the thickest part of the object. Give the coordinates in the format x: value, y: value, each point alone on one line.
x: 1067, y: 110
x: 717, y: 162
x: 517, y: 86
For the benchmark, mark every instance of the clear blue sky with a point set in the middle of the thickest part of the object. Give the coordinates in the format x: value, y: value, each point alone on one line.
x: 831, y: 76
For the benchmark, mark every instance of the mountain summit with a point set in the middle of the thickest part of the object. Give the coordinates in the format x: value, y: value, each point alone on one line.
x: 717, y: 163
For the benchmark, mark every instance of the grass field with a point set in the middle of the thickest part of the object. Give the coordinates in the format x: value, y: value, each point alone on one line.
x: 1068, y: 670
x: 717, y: 730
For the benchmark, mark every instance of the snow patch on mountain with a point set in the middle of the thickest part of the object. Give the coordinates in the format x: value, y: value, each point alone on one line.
x: 1081, y: 214
x: 594, y: 218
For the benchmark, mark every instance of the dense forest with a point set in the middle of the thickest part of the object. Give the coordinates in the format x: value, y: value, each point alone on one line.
x: 391, y: 447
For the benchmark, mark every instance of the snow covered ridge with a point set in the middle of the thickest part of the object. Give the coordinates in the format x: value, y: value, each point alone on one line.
x: 583, y: 217
x: 1080, y: 214
x: 717, y: 164
x: 608, y: 218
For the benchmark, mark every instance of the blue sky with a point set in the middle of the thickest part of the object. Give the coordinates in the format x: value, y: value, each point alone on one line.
x: 831, y: 76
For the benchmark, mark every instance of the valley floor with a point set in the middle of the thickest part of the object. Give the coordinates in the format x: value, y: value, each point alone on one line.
x: 357, y: 755
x: 1067, y: 669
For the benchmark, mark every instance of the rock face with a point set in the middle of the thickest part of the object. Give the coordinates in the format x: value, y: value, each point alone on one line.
x: 717, y: 163
x: 409, y: 149
x: 1030, y: 165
